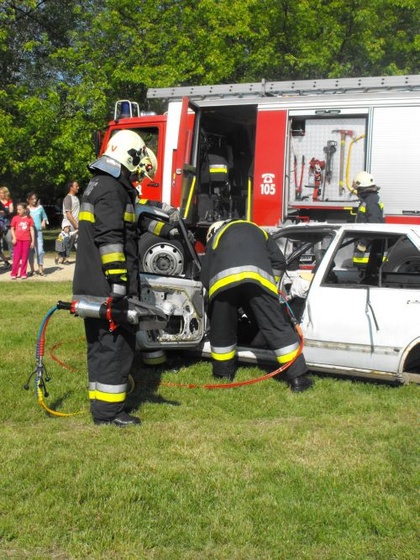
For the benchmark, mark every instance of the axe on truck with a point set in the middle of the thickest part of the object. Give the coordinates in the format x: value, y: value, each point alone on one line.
x: 343, y: 133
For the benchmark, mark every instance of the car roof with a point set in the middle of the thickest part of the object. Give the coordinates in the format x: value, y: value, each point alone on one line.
x: 330, y: 227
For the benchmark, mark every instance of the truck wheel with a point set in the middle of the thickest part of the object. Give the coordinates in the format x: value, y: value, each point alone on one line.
x: 161, y: 256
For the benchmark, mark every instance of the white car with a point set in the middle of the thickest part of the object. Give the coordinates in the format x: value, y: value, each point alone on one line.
x: 357, y: 320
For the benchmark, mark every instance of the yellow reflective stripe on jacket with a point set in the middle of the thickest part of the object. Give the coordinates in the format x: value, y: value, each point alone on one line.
x: 112, y: 253
x: 361, y: 260
x: 218, y: 168
x: 86, y: 213
x: 112, y: 257
x: 156, y: 227
x: 129, y: 214
x: 232, y: 277
x: 86, y: 217
x: 120, y: 271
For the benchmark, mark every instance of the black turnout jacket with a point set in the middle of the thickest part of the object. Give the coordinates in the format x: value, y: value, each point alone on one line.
x: 107, y: 251
x: 241, y: 251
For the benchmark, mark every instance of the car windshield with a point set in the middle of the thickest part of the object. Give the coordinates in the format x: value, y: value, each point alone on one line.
x: 304, y: 249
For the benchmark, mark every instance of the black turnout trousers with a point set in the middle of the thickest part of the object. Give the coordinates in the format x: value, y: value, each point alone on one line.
x: 267, y: 313
x: 109, y: 356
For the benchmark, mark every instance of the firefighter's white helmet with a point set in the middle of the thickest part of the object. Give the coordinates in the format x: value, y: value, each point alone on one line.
x: 363, y: 180
x: 127, y: 148
x: 213, y: 228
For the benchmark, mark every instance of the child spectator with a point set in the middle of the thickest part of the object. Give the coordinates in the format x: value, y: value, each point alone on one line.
x: 23, y: 239
x: 63, y: 244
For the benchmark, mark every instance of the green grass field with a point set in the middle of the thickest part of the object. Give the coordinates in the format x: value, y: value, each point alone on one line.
x: 254, y: 472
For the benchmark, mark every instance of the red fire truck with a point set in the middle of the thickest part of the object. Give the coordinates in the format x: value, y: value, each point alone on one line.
x: 274, y: 152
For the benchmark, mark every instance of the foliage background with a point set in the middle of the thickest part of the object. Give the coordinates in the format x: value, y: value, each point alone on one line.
x: 64, y: 63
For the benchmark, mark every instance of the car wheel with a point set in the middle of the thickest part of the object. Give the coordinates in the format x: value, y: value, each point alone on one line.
x: 403, y: 259
x: 161, y: 256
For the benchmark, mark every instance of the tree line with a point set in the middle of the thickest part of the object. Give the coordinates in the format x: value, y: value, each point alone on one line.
x: 64, y: 63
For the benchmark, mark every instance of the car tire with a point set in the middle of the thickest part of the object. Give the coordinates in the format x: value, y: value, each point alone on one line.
x: 403, y: 259
x: 161, y: 256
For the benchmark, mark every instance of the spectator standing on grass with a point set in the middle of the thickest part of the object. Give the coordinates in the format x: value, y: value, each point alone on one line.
x: 7, y: 203
x: 71, y: 209
x: 23, y: 238
x: 40, y: 219
x: 3, y: 218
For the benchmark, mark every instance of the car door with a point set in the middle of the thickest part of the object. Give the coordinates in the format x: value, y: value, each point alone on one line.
x: 363, y: 320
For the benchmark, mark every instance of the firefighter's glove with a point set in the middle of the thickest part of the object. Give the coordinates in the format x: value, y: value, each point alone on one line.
x: 119, y: 309
x: 361, y: 248
x: 191, y: 237
x: 174, y: 216
x: 117, y: 291
x: 174, y: 234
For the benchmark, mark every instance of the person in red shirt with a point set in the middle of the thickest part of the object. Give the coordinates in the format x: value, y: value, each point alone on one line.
x: 23, y: 238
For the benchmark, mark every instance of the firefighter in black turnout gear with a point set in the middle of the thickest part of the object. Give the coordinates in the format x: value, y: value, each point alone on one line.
x: 370, y: 211
x: 107, y: 270
x: 371, y: 208
x: 240, y: 269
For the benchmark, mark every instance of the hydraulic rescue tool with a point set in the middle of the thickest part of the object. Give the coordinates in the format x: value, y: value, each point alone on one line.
x: 126, y: 312
x: 118, y: 312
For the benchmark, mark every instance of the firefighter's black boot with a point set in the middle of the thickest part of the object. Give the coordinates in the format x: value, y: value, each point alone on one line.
x: 122, y: 420
x: 300, y: 384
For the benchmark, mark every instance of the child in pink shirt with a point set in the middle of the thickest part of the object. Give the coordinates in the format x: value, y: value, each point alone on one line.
x: 23, y: 238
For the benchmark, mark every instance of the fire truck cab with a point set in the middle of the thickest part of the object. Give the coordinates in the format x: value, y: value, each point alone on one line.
x: 277, y: 152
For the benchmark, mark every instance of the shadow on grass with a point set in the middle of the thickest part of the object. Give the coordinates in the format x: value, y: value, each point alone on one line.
x: 148, y: 380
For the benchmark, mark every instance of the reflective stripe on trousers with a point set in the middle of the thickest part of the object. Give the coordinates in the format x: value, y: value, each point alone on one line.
x: 109, y: 357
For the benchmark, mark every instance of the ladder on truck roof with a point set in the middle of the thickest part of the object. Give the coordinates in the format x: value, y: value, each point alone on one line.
x: 298, y: 87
